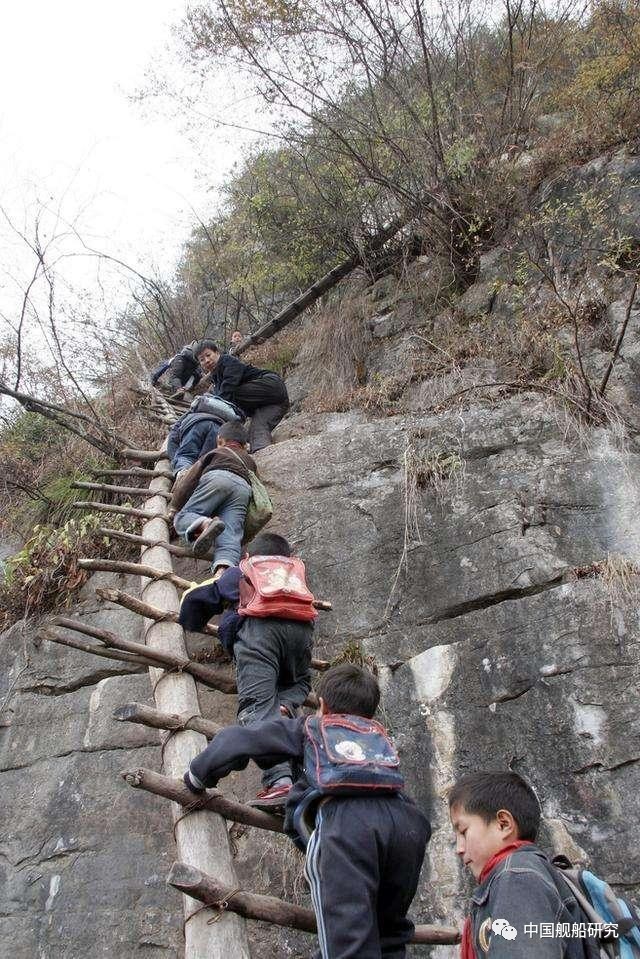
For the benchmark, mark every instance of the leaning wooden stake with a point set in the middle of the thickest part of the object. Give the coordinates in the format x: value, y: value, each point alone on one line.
x: 123, y: 510
x: 145, y: 609
x: 132, y: 471
x: 276, y: 911
x: 145, y: 715
x: 143, y: 456
x: 133, y: 491
x: 141, y: 569
x: 62, y: 640
x: 201, y: 837
x: 213, y: 799
x: 141, y: 541
x: 314, y: 292
x: 218, y: 679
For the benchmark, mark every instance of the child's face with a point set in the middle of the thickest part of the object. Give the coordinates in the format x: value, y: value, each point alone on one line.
x: 208, y: 359
x: 476, y: 840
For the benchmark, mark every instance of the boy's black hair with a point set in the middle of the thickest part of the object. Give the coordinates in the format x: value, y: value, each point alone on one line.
x: 268, y: 544
x: 234, y: 432
x: 350, y: 689
x: 206, y: 345
x: 483, y: 794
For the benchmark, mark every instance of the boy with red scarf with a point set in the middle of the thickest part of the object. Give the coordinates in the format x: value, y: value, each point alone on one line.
x: 496, y: 816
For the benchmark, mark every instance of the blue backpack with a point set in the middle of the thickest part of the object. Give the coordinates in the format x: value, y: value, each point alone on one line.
x: 602, y: 906
x: 344, y: 756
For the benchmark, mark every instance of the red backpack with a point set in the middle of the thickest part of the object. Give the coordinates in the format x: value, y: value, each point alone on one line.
x: 275, y: 586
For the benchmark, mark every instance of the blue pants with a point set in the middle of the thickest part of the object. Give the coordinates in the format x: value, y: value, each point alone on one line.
x: 219, y: 493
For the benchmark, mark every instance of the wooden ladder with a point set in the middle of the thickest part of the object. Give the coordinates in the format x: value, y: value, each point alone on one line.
x: 204, y: 871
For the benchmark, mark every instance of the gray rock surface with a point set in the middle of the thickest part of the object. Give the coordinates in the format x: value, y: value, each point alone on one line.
x: 484, y: 554
x: 83, y: 858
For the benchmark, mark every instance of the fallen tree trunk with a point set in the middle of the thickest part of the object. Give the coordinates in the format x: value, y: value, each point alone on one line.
x: 314, y: 292
x: 141, y: 541
x: 213, y: 799
x: 217, y: 679
x: 134, y: 491
x: 148, y: 716
x: 276, y: 911
x: 123, y: 510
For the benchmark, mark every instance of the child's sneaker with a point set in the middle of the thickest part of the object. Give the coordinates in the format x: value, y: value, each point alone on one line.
x: 202, y: 545
x: 271, y: 798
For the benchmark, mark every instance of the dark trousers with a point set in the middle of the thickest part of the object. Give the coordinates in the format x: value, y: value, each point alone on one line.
x: 273, y: 669
x: 363, y: 864
x: 266, y: 401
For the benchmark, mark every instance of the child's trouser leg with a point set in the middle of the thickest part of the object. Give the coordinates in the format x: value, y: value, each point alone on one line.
x: 204, y: 502
x: 232, y: 512
x: 363, y: 864
x: 264, y: 653
x: 226, y: 495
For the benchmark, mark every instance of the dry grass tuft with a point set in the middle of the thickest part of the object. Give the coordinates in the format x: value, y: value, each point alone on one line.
x: 619, y: 576
x: 336, y: 351
x: 353, y: 653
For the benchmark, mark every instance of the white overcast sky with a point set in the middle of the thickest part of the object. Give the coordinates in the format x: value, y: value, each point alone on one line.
x: 69, y: 134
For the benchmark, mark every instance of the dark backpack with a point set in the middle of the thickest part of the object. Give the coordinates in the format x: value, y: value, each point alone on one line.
x: 601, y: 906
x: 343, y: 756
x: 348, y: 755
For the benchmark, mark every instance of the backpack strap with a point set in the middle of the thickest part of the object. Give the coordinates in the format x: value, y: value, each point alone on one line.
x: 241, y: 461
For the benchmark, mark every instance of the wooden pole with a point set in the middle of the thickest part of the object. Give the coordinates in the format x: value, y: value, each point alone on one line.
x: 212, y: 799
x: 149, y: 572
x: 133, y: 471
x: 143, y: 456
x: 53, y: 637
x: 141, y: 541
x: 216, y: 678
x: 123, y: 510
x: 201, y: 837
x: 151, y: 612
x: 148, y: 716
x: 145, y: 609
x: 314, y: 292
x: 120, y: 490
x: 276, y: 911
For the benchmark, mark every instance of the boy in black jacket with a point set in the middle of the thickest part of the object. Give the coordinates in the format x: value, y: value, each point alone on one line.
x: 364, y: 855
x: 261, y: 394
x: 522, y: 909
x: 272, y: 656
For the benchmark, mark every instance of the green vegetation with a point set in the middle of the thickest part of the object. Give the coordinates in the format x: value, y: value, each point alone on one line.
x: 45, y: 573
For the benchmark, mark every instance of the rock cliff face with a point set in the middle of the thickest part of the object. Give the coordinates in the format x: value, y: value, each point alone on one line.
x: 484, y: 556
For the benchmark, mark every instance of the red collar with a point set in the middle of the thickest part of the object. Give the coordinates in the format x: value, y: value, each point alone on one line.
x: 502, y: 854
x: 467, y: 950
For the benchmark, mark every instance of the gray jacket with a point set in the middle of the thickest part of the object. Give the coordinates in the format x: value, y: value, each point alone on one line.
x: 525, y: 890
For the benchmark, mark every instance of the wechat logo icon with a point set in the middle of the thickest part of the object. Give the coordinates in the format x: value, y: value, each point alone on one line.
x: 502, y: 928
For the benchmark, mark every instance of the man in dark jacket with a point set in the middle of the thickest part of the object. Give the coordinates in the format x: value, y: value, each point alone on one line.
x: 260, y: 394
x: 183, y: 370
